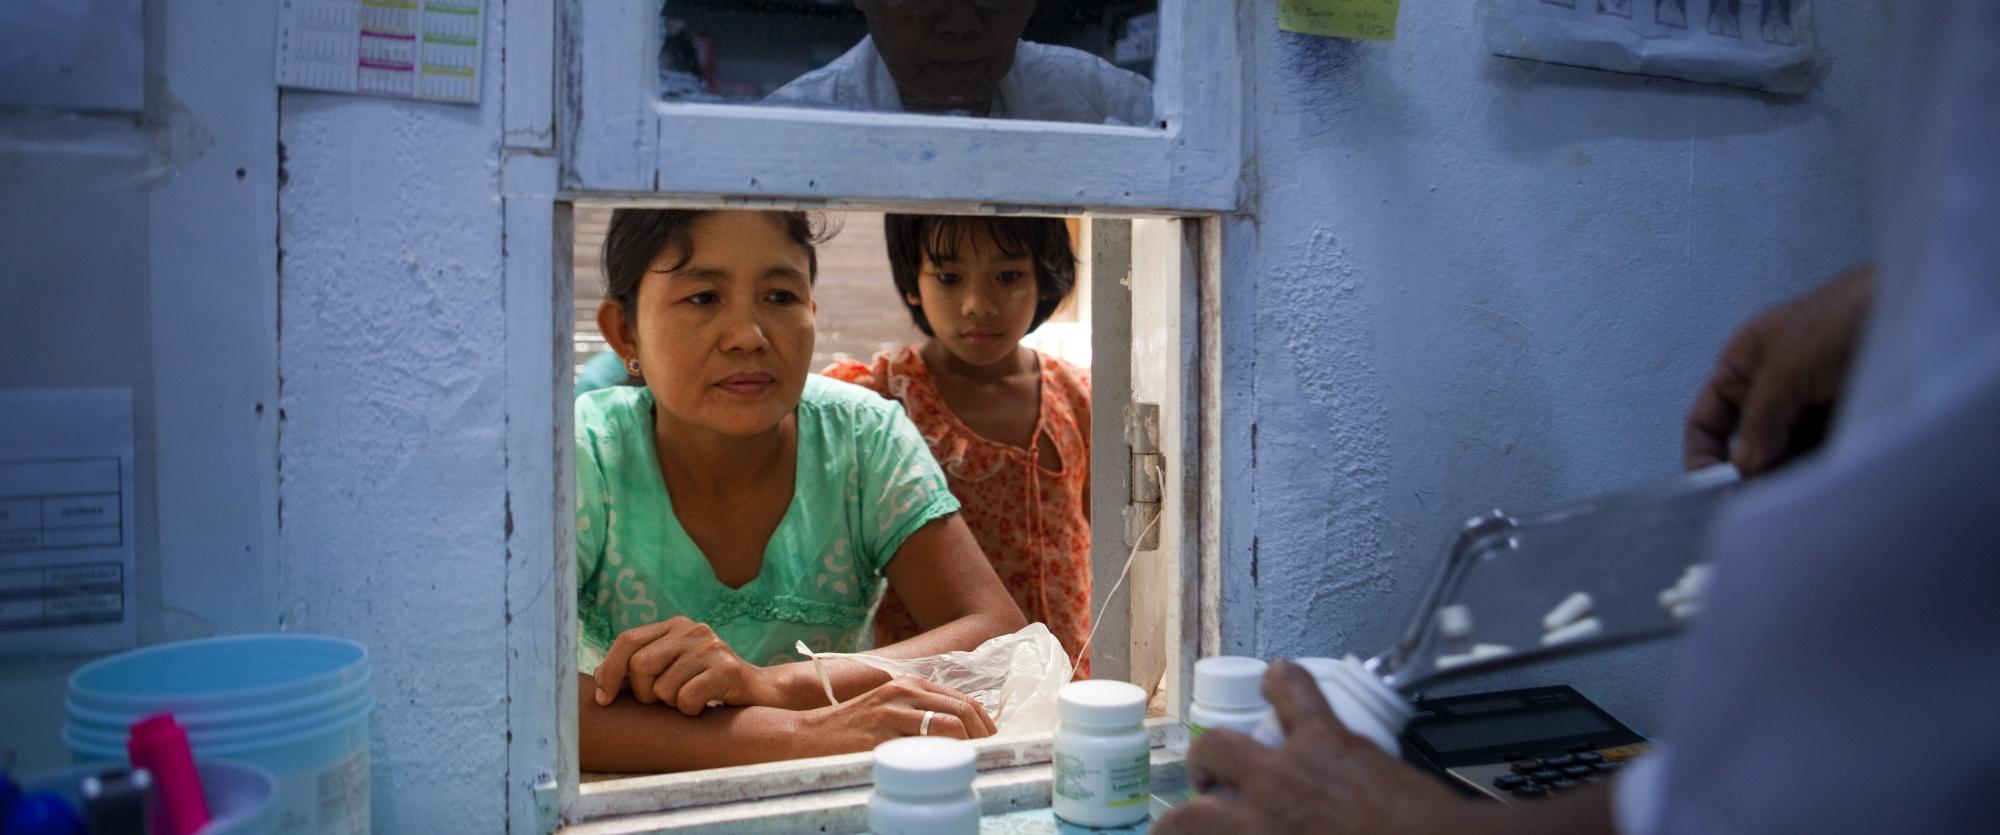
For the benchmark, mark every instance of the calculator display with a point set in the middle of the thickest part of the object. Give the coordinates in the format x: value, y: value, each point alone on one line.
x: 1511, y: 729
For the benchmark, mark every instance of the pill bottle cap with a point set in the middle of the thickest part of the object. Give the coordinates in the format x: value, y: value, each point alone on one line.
x: 924, y: 766
x: 1320, y: 668
x: 1382, y: 703
x: 1231, y: 682
x: 1101, y: 703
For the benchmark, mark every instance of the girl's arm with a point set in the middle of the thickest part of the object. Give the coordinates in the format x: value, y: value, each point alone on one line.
x: 950, y: 589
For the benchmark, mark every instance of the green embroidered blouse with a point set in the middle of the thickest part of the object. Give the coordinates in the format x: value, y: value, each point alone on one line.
x: 865, y: 481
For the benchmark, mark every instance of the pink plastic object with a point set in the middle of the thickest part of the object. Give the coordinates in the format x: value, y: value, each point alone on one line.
x: 160, y: 745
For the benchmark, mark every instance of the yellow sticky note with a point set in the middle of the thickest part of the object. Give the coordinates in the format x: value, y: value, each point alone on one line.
x: 1373, y: 20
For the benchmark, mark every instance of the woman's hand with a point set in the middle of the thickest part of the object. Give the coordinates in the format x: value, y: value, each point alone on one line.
x: 683, y: 663
x: 897, y: 709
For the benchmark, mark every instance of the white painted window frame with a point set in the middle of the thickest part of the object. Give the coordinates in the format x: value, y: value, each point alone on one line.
x: 618, y: 138
x: 832, y: 790
x: 612, y: 149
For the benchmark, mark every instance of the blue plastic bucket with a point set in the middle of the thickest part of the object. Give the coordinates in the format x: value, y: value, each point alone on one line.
x: 241, y: 797
x: 225, y: 724
x: 242, y: 671
x: 303, y: 716
x: 210, y: 734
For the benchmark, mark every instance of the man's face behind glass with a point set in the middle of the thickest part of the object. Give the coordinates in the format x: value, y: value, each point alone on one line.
x: 947, y: 55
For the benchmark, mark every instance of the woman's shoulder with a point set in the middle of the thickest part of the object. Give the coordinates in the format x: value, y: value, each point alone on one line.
x: 856, y: 428
x: 613, y: 430
x: 612, y: 408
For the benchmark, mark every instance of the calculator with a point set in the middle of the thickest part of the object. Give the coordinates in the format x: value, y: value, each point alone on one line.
x: 1519, y: 745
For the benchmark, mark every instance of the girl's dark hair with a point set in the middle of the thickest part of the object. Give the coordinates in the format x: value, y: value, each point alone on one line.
x: 913, y: 238
x: 637, y: 236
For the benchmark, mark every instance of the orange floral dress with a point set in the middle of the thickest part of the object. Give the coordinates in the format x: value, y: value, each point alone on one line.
x: 1032, y: 521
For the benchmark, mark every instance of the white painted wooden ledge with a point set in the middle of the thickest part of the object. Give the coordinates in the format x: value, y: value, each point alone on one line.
x: 825, y: 794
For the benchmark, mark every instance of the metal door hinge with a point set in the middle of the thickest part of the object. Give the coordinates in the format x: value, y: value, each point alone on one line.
x: 547, y: 797
x: 1148, y: 467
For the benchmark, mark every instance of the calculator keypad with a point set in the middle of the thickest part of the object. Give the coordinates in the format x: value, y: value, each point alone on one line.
x: 1529, y: 779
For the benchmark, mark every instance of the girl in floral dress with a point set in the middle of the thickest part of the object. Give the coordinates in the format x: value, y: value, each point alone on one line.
x: 1010, y: 426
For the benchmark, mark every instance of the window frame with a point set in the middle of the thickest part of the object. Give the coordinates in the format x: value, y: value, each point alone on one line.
x: 620, y: 139
x: 579, y: 126
x: 667, y: 802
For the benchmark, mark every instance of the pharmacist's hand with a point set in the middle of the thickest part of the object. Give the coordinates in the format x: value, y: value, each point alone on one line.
x: 896, y: 709
x: 1776, y: 383
x: 682, y: 663
x: 1325, y: 778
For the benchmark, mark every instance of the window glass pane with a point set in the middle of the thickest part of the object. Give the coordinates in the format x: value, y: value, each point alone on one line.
x: 864, y: 365
x: 1053, y: 60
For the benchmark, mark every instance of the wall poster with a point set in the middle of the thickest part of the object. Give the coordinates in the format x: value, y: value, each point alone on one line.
x: 1756, y: 44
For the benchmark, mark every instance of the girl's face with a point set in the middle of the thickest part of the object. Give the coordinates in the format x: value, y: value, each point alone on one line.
x: 724, y: 341
x: 980, y: 301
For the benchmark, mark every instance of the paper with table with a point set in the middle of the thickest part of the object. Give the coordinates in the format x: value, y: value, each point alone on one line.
x: 67, y: 531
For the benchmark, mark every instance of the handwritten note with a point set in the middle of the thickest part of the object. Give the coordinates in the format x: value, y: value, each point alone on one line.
x: 1373, y: 20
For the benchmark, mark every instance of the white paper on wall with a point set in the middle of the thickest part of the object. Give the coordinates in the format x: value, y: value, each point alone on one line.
x: 1757, y: 44
x: 73, y: 54
x: 409, y: 49
x: 66, y: 521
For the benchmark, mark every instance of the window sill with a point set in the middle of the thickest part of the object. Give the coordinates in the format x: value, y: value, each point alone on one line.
x: 825, y: 794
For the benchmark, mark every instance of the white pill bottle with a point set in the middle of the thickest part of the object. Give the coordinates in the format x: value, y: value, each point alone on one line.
x: 1103, y: 758
x: 1228, y: 693
x: 923, y: 786
x: 1362, y: 702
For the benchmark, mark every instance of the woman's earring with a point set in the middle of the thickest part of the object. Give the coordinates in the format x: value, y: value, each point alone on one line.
x: 632, y: 367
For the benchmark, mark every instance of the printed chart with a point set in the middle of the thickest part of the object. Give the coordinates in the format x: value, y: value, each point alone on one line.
x: 410, y: 49
x: 67, y: 531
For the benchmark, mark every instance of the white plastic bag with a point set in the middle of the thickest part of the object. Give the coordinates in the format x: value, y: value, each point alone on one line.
x: 1014, y: 677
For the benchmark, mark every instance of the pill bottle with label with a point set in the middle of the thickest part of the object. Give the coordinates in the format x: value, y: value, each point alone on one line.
x: 1228, y: 693
x: 1103, y: 758
x: 923, y: 786
x: 1361, y: 701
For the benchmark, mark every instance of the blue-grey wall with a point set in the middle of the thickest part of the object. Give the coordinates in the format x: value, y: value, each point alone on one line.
x: 1463, y: 282
x: 1457, y: 282
x: 139, y: 250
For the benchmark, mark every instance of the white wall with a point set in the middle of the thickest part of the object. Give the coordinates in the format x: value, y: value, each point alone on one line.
x: 350, y: 488
x: 133, y: 254
x: 75, y: 310
x: 1465, y: 282
x: 393, y: 450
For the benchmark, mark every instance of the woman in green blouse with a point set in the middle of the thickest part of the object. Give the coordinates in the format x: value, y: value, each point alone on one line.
x: 730, y: 505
